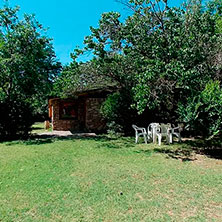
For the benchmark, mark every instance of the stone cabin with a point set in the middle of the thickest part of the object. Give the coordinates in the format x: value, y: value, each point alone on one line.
x: 81, y: 113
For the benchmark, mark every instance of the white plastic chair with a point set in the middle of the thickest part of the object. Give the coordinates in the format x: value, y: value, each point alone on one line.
x: 139, y: 131
x: 164, y: 130
x: 151, y: 131
x: 176, y: 132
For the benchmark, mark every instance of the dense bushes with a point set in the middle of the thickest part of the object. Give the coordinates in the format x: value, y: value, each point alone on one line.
x: 118, y: 112
x: 203, y: 113
x: 16, y: 119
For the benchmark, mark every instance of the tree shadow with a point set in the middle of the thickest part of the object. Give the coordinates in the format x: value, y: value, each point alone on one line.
x: 33, y: 140
x: 211, y: 148
x: 115, y: 143
x: 104, y: 140
x: 146, y: 152
x: 183, y: 153
x: 187, y: 150
x: 37, y: 128
x: 119, y: 145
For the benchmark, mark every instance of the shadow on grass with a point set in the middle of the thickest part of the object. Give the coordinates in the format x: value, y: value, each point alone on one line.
x: 37, y: 128
x: 186, y: 151
x: 146, y: 152
x: 176, y: 151
x: 34, y: 140
x: 124, y: 142
x: 211, y: 148
x: 105, y: 141
x: 183, y: 153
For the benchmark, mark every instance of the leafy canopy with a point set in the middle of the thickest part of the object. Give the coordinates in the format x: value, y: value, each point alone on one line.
x: 164, y: 58
x: 28, y: 66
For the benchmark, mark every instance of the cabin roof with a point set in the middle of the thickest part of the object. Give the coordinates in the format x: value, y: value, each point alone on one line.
x: 97, y: 92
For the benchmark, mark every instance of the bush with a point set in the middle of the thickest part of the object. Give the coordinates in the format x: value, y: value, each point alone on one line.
x: 16, y: 120
x: 114, y: 129
x: 211, y: 112
x: 203, y: 113
x: 118, y: 113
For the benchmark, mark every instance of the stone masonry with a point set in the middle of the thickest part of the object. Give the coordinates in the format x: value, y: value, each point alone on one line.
x: 63, y: 124
x: 89, y: 117
x: 94, y: 120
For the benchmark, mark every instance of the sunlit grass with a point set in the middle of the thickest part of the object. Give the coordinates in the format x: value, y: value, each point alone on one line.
x: 102, y: 179
x: 39, y: 127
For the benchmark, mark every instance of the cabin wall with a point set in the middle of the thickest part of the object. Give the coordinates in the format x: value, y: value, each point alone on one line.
x: 68, y: 124
x: 94, y: 120
x: 89, y: 116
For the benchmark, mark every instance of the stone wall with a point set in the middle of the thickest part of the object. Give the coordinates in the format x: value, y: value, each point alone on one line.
x: 89, y: 117
x: 67, y: 124
x: 94, y: 121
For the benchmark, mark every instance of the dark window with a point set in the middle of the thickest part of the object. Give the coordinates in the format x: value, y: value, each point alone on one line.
x: 68, y: 110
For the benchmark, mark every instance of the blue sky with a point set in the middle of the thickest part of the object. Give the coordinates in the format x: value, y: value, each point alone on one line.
x: 69, y: 20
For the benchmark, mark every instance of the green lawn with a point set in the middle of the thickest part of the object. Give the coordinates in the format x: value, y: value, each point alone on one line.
x: 102, y: 179
x: 39, y: 127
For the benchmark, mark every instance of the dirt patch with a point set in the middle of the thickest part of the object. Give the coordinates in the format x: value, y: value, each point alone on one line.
x: 207, y: 162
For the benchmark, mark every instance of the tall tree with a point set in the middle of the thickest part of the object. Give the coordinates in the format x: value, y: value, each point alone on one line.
x: 163, y: 58
x: 28, y: 67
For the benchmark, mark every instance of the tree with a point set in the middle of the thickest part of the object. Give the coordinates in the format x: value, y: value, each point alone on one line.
x: 28, y: 67
x: 162, y: 57
x: 77, y: 77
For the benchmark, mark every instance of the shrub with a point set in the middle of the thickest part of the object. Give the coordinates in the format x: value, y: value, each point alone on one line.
x: 16, y: 120
x: 118, y: 113
x: 203, y: 113
x: 211, y: 112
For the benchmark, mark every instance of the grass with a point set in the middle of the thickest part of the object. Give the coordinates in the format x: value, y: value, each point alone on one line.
x: 39, y: 127
x: 104, y: 179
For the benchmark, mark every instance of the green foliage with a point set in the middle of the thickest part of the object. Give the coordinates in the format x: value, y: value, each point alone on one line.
x: 114, y: 130
x: 211, y: 98
x: 118, y: 112
x: 110, y: 110
x: 67, y: 82
x: 16, y: 119
x: 110, y: 107
x: 177, y: 57
x: 27, y: 62
x: 189, y: 114
x: 203, y: 113
x: 78, y: 77
x: 162, y: 57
